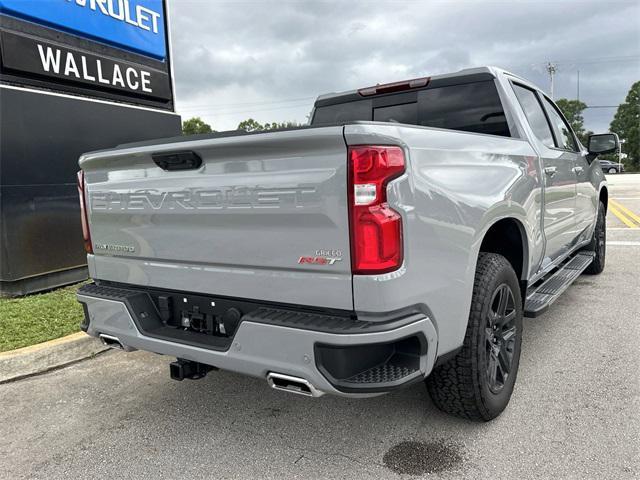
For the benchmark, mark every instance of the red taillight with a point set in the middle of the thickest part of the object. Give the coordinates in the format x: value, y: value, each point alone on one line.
x: 376, y: 229
x: 86, y: 236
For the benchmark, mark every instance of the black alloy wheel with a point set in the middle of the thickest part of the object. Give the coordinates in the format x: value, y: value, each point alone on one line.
x: 500, y: 338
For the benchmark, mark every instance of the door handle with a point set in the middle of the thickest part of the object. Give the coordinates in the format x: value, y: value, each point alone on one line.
x: 578, y: 169
x: 551, y: 171
x: 183, y: 160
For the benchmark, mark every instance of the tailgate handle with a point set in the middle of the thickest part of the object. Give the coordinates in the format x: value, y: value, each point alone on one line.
x: 185, y: 160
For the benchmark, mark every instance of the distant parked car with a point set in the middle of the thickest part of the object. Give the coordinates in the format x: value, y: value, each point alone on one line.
x: 611, y: 167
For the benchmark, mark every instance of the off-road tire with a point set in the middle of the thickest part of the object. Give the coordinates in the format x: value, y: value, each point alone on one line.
x: 598, y: 243
x: 460, y: 386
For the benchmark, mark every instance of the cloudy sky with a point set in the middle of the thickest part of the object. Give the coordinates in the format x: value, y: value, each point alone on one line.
x: 268, y: 60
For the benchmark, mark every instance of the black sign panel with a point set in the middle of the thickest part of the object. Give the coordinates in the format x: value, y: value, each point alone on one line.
x: 27, y: 54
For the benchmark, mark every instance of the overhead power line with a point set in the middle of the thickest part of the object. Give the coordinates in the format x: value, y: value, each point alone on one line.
x: 238, y: 112
x: 622, y: 58
x: 581, y: 61
x: 267, y: 102
x: 257, y: 107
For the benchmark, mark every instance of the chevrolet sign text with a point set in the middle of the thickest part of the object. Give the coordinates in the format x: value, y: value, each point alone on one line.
x: 140, y: 16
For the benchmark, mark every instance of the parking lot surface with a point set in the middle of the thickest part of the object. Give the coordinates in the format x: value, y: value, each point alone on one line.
x: 575, y: 412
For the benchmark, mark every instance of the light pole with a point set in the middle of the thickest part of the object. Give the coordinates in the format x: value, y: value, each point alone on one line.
x: 620, y: 142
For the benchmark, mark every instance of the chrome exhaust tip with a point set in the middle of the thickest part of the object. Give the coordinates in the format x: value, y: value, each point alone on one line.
x: 111, y: 341
x: 297, y: 385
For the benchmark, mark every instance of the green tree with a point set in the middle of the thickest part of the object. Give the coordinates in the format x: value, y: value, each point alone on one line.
x: 572, y: 110
x: 626, y: 123
x: 194, y: 126
x: 251, y: 125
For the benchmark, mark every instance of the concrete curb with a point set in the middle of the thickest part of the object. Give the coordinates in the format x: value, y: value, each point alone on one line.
x: 42, y: 357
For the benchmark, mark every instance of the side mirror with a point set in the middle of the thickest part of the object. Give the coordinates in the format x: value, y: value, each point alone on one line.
x: 602, y: 143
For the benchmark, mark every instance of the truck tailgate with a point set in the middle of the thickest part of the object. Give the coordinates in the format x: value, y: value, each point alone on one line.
x: 261, y: 218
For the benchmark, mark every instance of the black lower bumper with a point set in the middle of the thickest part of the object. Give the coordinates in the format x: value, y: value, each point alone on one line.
x: 203, y: 321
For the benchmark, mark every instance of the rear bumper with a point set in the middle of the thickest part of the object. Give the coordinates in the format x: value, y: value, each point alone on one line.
x: 327, y: 359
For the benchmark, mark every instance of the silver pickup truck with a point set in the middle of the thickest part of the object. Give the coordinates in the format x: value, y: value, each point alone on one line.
x: 400, y: 237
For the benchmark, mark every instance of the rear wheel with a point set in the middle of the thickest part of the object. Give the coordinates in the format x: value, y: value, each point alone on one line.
x: 613, y: 170
x: 598, y: 243
x: 477, y: 383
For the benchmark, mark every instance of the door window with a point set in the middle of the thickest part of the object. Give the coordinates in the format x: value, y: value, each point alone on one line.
x: 535, y: 115
x: 564, y: 137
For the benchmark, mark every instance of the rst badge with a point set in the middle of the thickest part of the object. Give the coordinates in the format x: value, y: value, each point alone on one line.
x: 322, y: 257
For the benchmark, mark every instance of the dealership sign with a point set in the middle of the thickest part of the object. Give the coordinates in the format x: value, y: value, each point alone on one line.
x: 114, y: 49
x: 46, y: 59
x: 134, y: 25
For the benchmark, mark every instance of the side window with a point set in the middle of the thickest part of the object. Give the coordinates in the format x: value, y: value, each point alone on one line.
x: 562, y: 129
x: 535, y: 115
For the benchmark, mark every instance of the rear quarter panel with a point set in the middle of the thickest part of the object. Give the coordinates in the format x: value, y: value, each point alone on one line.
x: 456, y: 186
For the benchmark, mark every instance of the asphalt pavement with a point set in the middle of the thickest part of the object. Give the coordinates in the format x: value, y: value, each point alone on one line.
x: 575, y: 412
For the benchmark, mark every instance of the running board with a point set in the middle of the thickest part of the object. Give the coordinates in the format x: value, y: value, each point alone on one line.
x: 539, y: 300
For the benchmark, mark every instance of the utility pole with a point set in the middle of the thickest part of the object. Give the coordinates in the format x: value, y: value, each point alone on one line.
x: 578, y: 85
x: 551, y: 68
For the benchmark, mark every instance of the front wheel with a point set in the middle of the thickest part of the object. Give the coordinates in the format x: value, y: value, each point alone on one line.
x: 477, y: 383
x: 613, y: 170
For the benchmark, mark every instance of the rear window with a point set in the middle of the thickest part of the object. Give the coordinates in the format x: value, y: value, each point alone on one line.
x: 472, y: 107
x: 343, y: 113
x: 406, y: 113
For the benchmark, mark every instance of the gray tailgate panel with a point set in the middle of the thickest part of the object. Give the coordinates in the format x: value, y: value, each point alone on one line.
x: 235, y: 227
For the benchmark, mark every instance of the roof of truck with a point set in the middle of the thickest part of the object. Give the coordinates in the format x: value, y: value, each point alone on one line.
x: 466, y: 75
